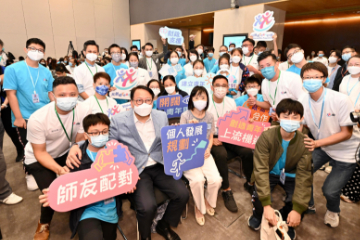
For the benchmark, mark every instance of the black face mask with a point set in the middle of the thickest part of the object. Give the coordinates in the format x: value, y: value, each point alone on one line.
x: 43, y: 64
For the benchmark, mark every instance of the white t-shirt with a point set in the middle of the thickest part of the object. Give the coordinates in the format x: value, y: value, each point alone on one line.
x: 143, y: 76
x: 290, y: 86
x: 105, y: 105
x: 220, y: 109
x: 85, y: 78
x: 323, y: 60
x: 351, y: 87
x: 284, y: 66
x: 189, y: 71
x: 44, y: 127
x: 336, y: 114
x: 151, y: 67
x: 3, y: 59
x: 251, y: 60
x: 70, y: 69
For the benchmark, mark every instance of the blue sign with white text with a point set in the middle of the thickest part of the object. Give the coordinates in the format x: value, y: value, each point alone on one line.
x: 173, y: 105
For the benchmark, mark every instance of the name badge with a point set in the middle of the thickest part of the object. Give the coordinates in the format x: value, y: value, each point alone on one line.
x: 35, y: 98
x: 150, y: 74
x: 107, y: 201
x: 282, y: 176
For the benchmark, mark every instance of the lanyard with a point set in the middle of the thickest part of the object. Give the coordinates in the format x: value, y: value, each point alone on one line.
x: 114, y: 68
x: 335, y: 68
x: 273, y: 99
x: 32, y: 80
x: 62, y: 125
x: 107, y: 103
x: 237, y: 70
x: 90, y: 69
x: 149, y: 64
x: 347, y: 88
x: 216, y: 109
x: 321, y: 113
x: 250, y: 59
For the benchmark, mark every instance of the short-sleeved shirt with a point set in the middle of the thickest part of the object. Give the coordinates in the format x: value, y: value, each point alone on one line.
x: 44, y: 127
x: 111, y: 69
x: 240, y: 101
x: 294, y: 69
x: 209, y: 64
x: 251, y: 60
x: 208, y: 119
x: 351, y: 87
x: 105, y: 105
x: 284, y: 66
x: 336, y: 114
x: 17, y: 78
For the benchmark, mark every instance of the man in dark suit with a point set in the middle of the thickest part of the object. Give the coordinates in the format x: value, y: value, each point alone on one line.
x: 342, y: 71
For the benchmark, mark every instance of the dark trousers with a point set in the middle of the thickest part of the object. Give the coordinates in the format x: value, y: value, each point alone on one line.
x: 145, y: 202
x: 44, y: 177
x: 11, y: 131
x: 289, y: 189
x: 220, y: 155
x: 95, y: 229
x: 5, y: 189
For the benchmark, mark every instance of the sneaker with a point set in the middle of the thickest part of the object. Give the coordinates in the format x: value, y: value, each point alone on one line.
x: 31, y: 183
x: 229, y: 201
x: 328, y: 169
x: 12, y: 199
x: 292, y: 234
x: 42, y: 231
x: 249, y: 188
x: 311, y: 210
x: 254, y: 223
x: 331, y: 219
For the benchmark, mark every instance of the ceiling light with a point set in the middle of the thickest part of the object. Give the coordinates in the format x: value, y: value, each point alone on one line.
x: 322, y: 20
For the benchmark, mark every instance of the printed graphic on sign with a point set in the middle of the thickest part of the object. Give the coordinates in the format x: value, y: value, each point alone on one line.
x: 263, y: 22
x: 257, y: 113
x: 173, y: 105
x: 173, y: 35
x: 118, y: 108
x: 183, y: 147
x: 112, y: 173
x: 235, y: 128
x: 125, y: 80
x: 189, y: 83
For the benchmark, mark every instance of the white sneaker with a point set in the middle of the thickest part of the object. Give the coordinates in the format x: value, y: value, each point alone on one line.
x: 31, y: 183
x: 12, y: 199
x: 328, y: 169
x: 331, y: 219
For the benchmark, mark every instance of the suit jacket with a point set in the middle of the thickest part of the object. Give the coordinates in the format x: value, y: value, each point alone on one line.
x: 123, y: 129
x: 155, y: 57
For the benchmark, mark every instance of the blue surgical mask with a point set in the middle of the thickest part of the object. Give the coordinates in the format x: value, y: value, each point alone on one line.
x: 102, y: 90
x: 99, y: 141
x: 58, y: 62
x: 211, y: 54
x: 221, y: 53
x: 289, y: 125
x: 179, y: 53
x: 66, y: 103
x: 65, y: 62
x: 259, y: 53
x: 346, y: 56
x: 312, y: 85
x: 268, y: 72
x: 327, y: 80
x: 70, y: 64
x: 321, y: 55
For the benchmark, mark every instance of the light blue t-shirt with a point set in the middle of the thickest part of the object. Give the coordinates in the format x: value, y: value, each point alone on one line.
x: 281, y: 162
x: 103, y: 210
x: 294, y: 69
x: 209, y: 64
x: 182, y: 61
x: 179, y: 76
x: 215, y: 69
x: 155, y: 104
x: 110, y: 69
x: 240, y: 101
x: 17, y: 78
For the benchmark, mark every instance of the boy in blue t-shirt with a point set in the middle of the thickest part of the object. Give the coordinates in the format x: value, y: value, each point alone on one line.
x: 252, y: 87
x: 209, y: 62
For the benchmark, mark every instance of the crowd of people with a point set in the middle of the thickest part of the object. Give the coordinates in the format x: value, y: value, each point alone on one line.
x: 55, y: 112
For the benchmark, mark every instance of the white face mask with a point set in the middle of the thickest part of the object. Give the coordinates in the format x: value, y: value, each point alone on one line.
x: 220, y: 92
x: 236, y: 59
x: 200, y: 51
x: 193, y: 58
x: 149, y: 53
x: 353, y: 70
x: 332, y: 59
x: 35, y: 55
x: 91, y: 57
x: 297, y: 57
x: 66, y: 103
x: 224, y: 67
x: 252, y: 91
x: 170, y: 90
x: 143, y: 110
x: 200, y: 104
x: 174, y: 60
x: 116, y: 57
x: 123, y: 56
x: 198, y: 72
x: 156, y: 91
x: 245, y: 50
x: 230, y: 49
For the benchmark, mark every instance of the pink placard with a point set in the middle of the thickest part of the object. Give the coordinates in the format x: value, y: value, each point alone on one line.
x: 112, y: 173
x: 235, y: 128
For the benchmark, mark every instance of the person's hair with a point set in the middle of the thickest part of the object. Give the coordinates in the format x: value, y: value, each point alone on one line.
x: 179, y: 47
x: 236, y: 50
x: 355, y: 56
x: 211, y: 49
x: 102, y: 75
x: 232, y: 44
x: 21, y: 58
x: 90, y: 43
x: 224, y: 46
x: 265, y: 55
x: 171, y: 52
x: 337, y: 53
x: 149, y: 44
x: 114, y: 45
x: 198, y: 90
x: 290, y: 46
x: 290, y: 106
x: 133, y: 54
x: 134, y: 46
x: 126, y: 53
x: 95, y: 119
x: 61, y: 68
x: 219, y: 77
x: 170, y: 77
x: 61, y: 59
x: 193, y: 51
x: 318, y: 66
x: 198, y: 61
x: 249, y: 40
x: 132, y: 92
x: 66, y: 58
x: 53, y: 64
x: 157, y: 81
x: 252, y: 79
x: 143, y: 47
x: 261, y: 44
x: 63, y: 81
x: 199, y: 45
x: 226, y: 56
x: 348, y: 46
x: 35, y: 41
x: 1, y: 43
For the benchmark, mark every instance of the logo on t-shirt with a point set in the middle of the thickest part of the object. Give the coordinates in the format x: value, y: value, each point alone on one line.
x: 77, y: 123
x: 45, y: 79
x: 330, y: 114
x: 284, y: 92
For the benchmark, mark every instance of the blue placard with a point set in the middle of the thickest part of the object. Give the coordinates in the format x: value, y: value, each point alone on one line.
x: 173, y: 105
x: 183, y: 147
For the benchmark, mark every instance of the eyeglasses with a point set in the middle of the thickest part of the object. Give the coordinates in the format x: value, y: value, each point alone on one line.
x: 34, y: 49
x: 316, y: 77
x: 141, y: 101
x: 347, y: 52
x: 354, y: 65
x: 104, y: 132
x: 292, y: 54
x: 218, y: 86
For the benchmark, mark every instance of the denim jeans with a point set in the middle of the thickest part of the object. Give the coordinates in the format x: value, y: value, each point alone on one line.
x: 340, y: 174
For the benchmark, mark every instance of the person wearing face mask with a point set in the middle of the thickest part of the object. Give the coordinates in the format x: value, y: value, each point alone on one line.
x: 294, y: 53
x: 223, y: 68
x: 249, y: 59
x: 124, y: 57
x: 61, y: 71
x: 231, y: 46
x: 28, y: 87
x: 66, y: 60
x: 210, y: 61
x: 84, y: 73
x: 193, y: 56
x: 173, y: 67
x: 311, y: 57
x: 327, y: 115
x: 334, y: 58
x: 238, y: 69
x: 151, y: 62
x: 72, y: 65
x: 171, y: 87
x: 347, y: 53
x: 142, y: 75
x: 180, y: 50
x: 198, y: 104
x: 3, y: 56
x: 51, y: 131
x: 200, y: 49
x: 157, y: 88
x: 43, y: 62
x: 321, y: 58
x: 281, y: 158
x: 252, y: 88
x: 199, y: 69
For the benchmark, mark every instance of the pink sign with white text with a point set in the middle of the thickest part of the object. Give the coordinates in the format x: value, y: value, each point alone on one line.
x: 112, y: 173
x: 235, y: 128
